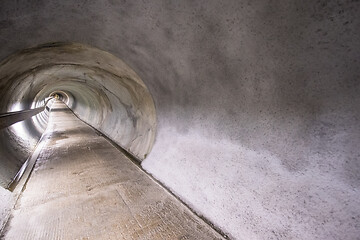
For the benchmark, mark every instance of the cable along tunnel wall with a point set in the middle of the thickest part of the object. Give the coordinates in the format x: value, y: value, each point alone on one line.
x: 100, y: 89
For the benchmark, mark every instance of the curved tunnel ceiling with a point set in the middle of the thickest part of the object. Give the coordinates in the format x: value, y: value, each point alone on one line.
x: 257, y: 102
x: 98, y: 87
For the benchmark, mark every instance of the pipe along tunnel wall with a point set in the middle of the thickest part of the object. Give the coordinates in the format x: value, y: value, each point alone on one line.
x: 257, y: 102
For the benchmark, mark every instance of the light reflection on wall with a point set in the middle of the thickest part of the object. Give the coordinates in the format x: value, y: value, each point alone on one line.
x: 29, y: 130
x: 20, y: 130
x: 15, y: 107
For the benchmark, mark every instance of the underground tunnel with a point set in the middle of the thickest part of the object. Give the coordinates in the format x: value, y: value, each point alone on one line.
x: 179, y: 120
x: 97, y: 86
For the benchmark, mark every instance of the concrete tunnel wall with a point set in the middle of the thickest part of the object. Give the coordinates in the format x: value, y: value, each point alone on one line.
x: 97, y: 86
x: 257, y: 102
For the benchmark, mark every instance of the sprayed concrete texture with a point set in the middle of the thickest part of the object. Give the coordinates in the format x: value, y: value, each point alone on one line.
x: 257, y: 102
x: 82, y: 187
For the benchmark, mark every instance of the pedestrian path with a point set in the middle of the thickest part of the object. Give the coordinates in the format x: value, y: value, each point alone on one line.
x: 82, y: 187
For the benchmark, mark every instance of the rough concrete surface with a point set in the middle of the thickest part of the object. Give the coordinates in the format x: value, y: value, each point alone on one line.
x: 257, y: 102
x: 83, y: 187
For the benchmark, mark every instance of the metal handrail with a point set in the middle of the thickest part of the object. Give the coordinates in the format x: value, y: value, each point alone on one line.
x: 8, y: 119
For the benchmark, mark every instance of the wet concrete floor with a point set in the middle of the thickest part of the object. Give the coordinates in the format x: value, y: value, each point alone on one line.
x: 82, y: 187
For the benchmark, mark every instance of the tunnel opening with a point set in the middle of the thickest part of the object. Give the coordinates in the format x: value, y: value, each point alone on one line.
x: 98, y: 87
x: 57, y: 95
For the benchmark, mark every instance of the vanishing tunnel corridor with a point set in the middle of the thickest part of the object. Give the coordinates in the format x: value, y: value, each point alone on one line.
x: 83, y: 187
x: 201, y: 119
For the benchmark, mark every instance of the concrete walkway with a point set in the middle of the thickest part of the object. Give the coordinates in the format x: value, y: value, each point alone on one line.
x: 82, y: 187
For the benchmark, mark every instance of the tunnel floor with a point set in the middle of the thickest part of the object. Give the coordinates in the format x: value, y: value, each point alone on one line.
x: 82, y: 187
